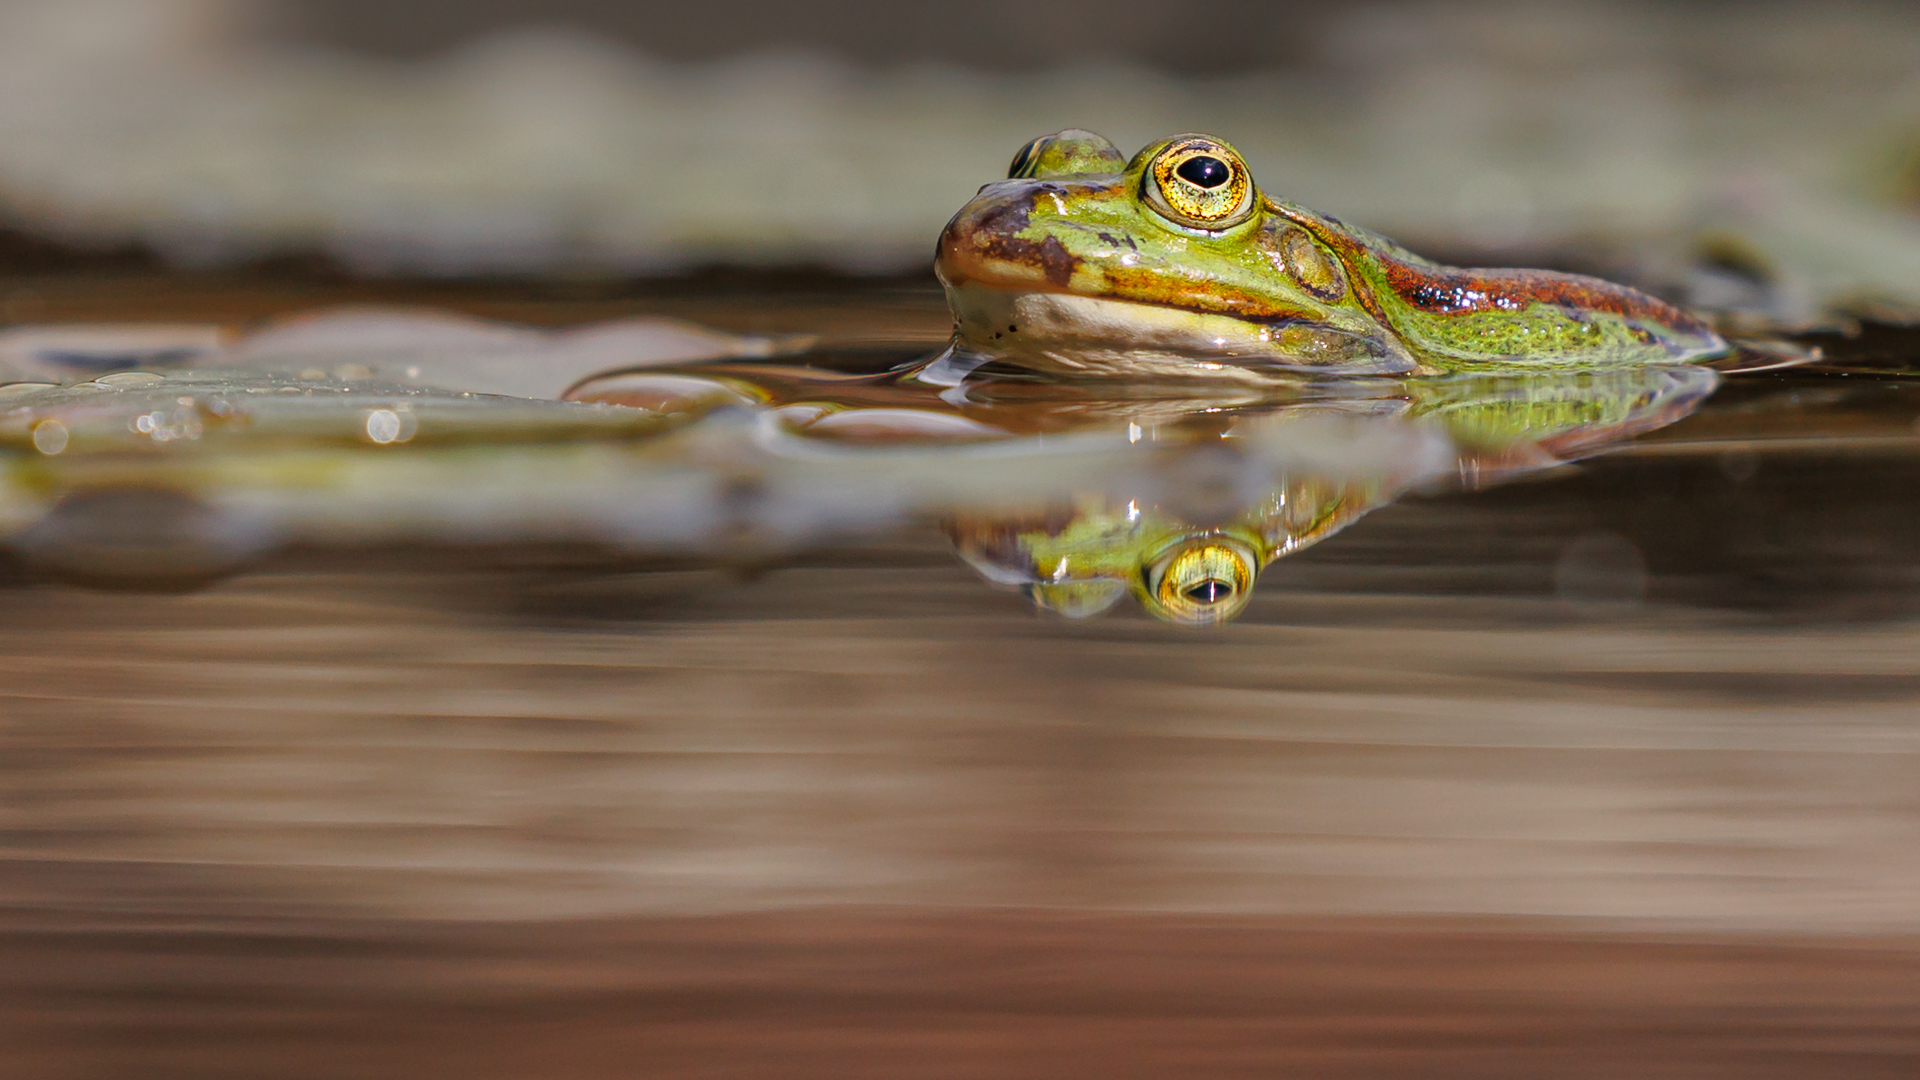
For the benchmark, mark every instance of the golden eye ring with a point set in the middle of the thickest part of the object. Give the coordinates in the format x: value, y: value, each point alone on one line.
x: 1201, y: 582
x: 1200, y: 183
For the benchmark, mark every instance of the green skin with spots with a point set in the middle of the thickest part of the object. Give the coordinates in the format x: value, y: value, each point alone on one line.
x: 1070, y: 266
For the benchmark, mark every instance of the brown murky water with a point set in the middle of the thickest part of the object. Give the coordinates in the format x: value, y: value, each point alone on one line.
x: 1613, y: 770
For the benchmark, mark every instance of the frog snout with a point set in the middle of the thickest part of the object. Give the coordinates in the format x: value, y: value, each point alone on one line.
x: 984, y: 242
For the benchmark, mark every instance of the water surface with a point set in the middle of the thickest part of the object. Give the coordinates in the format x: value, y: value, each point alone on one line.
x: 1603, y: 764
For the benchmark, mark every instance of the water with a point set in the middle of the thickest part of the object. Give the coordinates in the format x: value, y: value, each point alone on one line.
x: 791, y: 760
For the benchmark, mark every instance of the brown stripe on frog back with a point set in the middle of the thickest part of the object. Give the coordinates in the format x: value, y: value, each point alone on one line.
x: 1447, y: 290
x: 1444, y: 290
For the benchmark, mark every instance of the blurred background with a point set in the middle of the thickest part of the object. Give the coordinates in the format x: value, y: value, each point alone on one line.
x: 598, y: 137
x: 1425, y: 810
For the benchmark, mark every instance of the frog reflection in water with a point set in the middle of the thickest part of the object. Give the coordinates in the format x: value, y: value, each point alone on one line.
x: 1168, y: 295
x: 1200, y: 568
x: 1188, y: 528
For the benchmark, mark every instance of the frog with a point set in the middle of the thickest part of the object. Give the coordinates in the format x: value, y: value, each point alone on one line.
x: 1085, y: 264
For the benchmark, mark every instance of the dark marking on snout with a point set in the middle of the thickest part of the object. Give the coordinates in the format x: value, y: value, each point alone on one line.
x: 995, y: 232
x: 1005, y: 218
x: 1048, y: 256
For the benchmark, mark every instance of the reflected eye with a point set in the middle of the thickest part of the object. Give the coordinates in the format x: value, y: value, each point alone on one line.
x: 1210, y: 591
x: 1201, y: 183
x: 1201, y: 582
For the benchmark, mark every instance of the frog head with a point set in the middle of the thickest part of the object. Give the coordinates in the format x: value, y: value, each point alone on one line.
x: 1176, y: 263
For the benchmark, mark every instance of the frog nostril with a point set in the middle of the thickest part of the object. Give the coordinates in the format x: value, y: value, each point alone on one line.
x: 1204, y: 172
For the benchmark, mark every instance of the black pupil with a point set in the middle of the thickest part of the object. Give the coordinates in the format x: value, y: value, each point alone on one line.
x: 1210, y: 591
x: 1204, y: 172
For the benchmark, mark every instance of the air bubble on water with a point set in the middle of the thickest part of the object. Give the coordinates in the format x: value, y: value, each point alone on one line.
x: 390, y: 426
x: 182, y: 423
x: 49, y: 436
x: 383, y: 426
x: 129, y: 378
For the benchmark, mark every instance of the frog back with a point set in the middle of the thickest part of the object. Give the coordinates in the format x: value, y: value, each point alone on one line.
x: 1457, y: 319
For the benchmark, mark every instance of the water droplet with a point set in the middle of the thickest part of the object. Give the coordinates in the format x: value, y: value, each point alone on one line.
x: 383, y: 426
x: 129, y: 378
x: 49, y: 436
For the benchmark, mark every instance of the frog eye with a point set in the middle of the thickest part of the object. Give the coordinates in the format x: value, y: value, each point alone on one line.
x: 1200, y: 183
x: 1072, y: 152
x: 1201, y: 582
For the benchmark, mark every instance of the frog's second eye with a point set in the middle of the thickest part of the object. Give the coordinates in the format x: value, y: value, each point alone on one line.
x: 1200, y: 183
x: 1068, y: 153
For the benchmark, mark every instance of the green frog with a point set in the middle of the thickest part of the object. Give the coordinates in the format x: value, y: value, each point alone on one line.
x: 1085, y: 264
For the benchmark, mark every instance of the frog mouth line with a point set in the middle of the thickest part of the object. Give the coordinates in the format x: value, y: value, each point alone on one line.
x: 993, y: 261
x: 1101, y: 335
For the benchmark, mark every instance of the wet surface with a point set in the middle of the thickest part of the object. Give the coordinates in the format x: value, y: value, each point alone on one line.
x: 868, y: 993
x: 1606, y: 765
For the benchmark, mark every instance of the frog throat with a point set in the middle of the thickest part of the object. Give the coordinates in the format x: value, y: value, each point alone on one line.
x: 1101, y: 337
